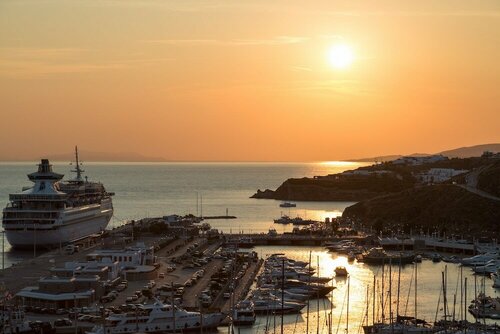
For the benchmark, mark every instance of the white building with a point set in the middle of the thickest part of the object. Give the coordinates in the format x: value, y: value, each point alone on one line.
x: 415, y: 161
x: 438, y: 175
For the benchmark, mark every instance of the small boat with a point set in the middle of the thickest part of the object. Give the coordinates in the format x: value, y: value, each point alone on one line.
x: 436, y: 258
x: 489, y: 268
x: 480, y: 260
x: 270, y: 306
x: 283, y: 220
x: 341, y: 271
x: 272, y: 232
x: 496, y: 279
x: 244, y: 313
x: 377, y: 255
x: 288, y: 205
x: 295, y: 221
x: 451, y: 259
x: 485, y: 307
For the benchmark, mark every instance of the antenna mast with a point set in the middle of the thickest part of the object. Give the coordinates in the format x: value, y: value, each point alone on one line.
x: 78, y: 170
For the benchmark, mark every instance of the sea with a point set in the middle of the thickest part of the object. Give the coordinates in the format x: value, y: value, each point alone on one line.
x: 216, y: 189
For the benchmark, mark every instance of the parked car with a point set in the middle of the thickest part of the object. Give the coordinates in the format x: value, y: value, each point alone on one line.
x: 132, y: 298
x: 85, y: 317
x: 63, y: 322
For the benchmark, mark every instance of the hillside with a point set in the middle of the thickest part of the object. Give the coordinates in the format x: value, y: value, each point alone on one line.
x: 471, y: 151
x: 338, y: 188
x: 462, y: 152
x: 447, y: 208
x: 366, y: 182
x: 489, y: 179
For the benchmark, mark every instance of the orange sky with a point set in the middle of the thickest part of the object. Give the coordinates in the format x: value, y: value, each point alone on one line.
x: 247, y: 80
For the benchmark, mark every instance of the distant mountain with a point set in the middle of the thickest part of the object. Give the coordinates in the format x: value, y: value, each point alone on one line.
x: 471, y: 151
x: 384, y: 158
x: 104, y: 156
x: 462, y: 152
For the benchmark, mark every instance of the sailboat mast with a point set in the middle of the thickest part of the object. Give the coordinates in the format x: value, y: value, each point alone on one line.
x: 465, y: 299
x: 317, y: 304
x: 308, y: 284
x: 348, y: 291
x: 390, y: 296
x: 382, y: 292
x: 374, y: 298
x: 416, y: 288
x: 282, y: 291
x: 444, y: 297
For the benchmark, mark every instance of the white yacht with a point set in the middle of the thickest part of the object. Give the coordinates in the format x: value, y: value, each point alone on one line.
x: 244, y: 313
x: 158, y: 318
x: 53, y: 212
x: 480, y: 260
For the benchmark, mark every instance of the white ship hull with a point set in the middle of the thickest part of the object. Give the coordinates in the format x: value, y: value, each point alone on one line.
x: 165, y: 325
x: 93, y: 220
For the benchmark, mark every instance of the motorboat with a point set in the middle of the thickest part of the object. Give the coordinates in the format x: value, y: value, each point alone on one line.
x: 341, y: 271
x: 244, y: 313
x: 480, y: 260
x: 377, y: 255
x: 488, y: 269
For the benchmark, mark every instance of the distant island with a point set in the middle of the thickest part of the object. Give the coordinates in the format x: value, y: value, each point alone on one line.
x: 462, y: 152
x: 419, y: 193
x: 376, y: 180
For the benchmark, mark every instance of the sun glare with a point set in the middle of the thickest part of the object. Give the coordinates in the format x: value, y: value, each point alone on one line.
x: 340, y: 56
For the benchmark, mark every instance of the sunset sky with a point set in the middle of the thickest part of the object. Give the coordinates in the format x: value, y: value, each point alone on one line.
x: 251, y: 80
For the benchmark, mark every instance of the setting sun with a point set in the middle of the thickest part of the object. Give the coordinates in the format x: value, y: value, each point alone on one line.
x: 340, y: 56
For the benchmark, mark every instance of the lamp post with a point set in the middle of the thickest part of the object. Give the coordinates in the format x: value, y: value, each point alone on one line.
x: 3, y: 249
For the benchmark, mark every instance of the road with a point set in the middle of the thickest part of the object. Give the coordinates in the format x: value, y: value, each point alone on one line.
x: 471, y: 184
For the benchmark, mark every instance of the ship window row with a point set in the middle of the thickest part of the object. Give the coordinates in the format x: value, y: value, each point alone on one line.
x: 30, y: 215
x: 28, y: 222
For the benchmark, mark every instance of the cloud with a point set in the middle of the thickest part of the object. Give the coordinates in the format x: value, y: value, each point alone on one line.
x: 279, y: 40
x: 31, y: 62
x: 491, y: 14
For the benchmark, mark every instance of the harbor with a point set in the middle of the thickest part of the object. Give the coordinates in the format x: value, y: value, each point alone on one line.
x: 203, y: 271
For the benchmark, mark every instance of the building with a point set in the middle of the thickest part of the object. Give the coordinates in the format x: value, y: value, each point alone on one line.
x: 416, y: 161
x: 134, y: 263
x: 62, y: 292
x: 438, y: 175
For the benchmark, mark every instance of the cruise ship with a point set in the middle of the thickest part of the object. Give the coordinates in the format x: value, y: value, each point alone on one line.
x: 54, y: 212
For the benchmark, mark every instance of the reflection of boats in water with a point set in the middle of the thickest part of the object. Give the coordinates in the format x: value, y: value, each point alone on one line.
x: 377, y: 255
x: 288, y: 205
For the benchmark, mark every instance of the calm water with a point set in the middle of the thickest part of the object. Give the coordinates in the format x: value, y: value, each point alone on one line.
x: 361, y: 279
x: 153, y: 190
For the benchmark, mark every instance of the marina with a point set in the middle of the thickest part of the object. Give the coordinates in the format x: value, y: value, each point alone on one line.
x: 252, y: 288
